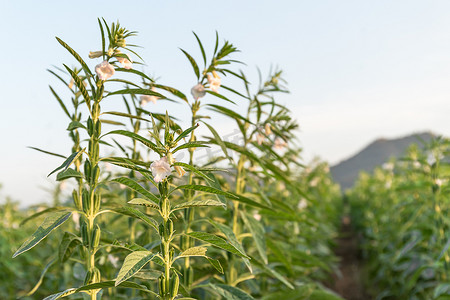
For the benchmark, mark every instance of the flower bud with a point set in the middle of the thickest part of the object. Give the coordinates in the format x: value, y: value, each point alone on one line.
x: 95, y: 54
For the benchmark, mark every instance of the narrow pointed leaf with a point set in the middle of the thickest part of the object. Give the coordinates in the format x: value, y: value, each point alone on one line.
x: 206, y: 189
x: 138, y: 138
x: 69, y: 173
x: 121, y: 114
x: 73, y: 157
x: 129, y: 211
x: 144, y: 202
x: 258, y: 235
x: 216, y: 264
x: 190, y: 145
x: 137, y: 92
x: 111, y: 284
x: 194, y: 251
x: 230, y: 293
x: 77, y: 57
x: 47, y: 152
x: 193, y: 169
x: 193, y: 63
x: 61, y: 103
x: 80, y: 86
x: 61, y: 294
x: 50, y: 223
x: 137, y: 188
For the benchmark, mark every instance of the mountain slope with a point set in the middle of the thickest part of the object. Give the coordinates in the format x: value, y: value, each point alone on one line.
x: 375, y: 154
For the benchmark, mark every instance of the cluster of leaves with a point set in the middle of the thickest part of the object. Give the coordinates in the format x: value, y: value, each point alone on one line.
x: 141, y: 231
x: 401, y: 213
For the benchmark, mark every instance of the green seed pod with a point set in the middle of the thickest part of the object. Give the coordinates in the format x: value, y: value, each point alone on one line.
x: 174, y: 284
x: 190, y: 275
x: 95, y: 174
x: 76, y: 199
x: 162, y: 285
x: 161, y: 230
x: 87, y: 170
x: 171, y: 254
x: 86, y: 201
x: 96, y: 237
x: 92, y: 276
x: 84, y: 234
x: 90, y: 126
x: 168, y: 230
x: 97, y: 202
x: 98, y: 128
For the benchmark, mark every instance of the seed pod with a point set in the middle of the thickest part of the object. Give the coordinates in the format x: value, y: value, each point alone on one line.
x: 92, y: 276
x: 95, y: 174
x: 96, y: 237
x: 86, y: 202
x: 190, y: 275
x: 161, y: 230
x: 97, y: 201
x: 87, y: 170
x: 84, y: 234
x: 171, y: 254
x: 76, y: 199
x: 162, y: 285
x: 98, y: 128
x: 174, y: 284
x: 90, y: 126
x: 168, y: 229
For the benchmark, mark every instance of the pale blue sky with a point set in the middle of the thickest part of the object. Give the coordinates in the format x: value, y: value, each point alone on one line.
x: 357, y: 70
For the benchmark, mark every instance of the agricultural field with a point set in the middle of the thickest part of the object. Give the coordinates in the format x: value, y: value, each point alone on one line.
x: 160, y: 210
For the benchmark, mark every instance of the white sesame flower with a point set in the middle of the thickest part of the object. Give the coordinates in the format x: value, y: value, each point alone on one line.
x: 388, y: 166
x: 160, y: 169
x: 438, y: 182
x: 214, y: 81
x: 302, y: 204
x: 149, y: 98
x: 257, y: 216
x: 416, y: 164
x: 95, y: 54
x: 260, y: 138
x: 125, y: 62
x: 268, y: 129
x: 279, y: 144
x: 198, y: 91
x: 104, y: 70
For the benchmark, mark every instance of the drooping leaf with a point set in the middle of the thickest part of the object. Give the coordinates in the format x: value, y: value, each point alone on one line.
x: 230, y: 293
x: 61, y: 103
x: 74, y: 125
x: 215, y: 241
x: 121, y: 114
x: 68, y: 173
x: 144, y: 202
x: 193, y: 169
x: 194, y: 251
x: 137, y: 92
x: 61, y: 294
x: 258, y: 235
x: 47, y: 152
x: 137, y: 188
x: 111, y: 284
x: 38, y: 284
x: 216, y: 264
x: 206, y: 189
x: 132, y: 264
x: 129, y: 211
x: 138, y: 138
x: 50, y: 223
x: 193, y: 63
x: 67, y: 245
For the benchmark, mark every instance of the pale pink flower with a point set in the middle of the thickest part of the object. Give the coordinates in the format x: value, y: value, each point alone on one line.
x: 160, y: 169
x: 214, y: 81
x: 126, y: 63
x: 198, y: 91
x: 257, y: 216
x: 260, y: 138
x: 71, y: 83
x: 149, y: 98
x: 279, y: 144
x: 180, y: 171
x: 302, y: 204
x: 104, y: 70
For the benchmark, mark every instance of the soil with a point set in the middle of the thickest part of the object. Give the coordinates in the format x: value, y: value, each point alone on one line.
x: 349, y: 284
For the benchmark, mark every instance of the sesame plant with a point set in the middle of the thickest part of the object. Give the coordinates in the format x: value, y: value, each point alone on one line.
x: 149, y: 223
x: 401, y: 214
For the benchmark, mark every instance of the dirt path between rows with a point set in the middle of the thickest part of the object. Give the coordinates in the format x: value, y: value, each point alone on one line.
x: 349, y: 283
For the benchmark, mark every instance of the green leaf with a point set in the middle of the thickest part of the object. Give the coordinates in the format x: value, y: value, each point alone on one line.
x: 300, y: 293
x: 231, y: 237
x: 193, y: 63
x: 138, y: 188
x: 219, y: 140
x: 228, y: 112
x: 272, y: 272
x: 132, y: 264
x: 61, y: 103
x: 38, y: 284
x: 197, y: 203
x: 230, y: 292
x: 111, y: 284
x: 190, y: 145
x: 121, y: 114
x: 171, y: 90
x: 324, y: 295
x: 194, y: 251
x: 129, y: 211
x: 219, y: 96
x: 206, y: 189
x: 193, y: 169
x: 134, y: 72
x: 258, y: 235
x: 80, y: 86
x: 185, y: 133
x: 69, y: 173
x: 77, y: 57
x: 216, y: 264
x: 201, y: 48
x: 73, y: 157
x: 61, y: 294
x: 144, y: 202
x: 215, y: 241
x: 47, y: 152
x: 111, y: 122
x: 42, y: 212
x: 67, y: 245
x: 137, y: 92
x: 50, y: 223
x: 74, y: 125
x: 138, y: 138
